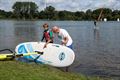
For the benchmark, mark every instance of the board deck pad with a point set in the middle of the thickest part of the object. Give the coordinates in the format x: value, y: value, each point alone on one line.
x: 54, y: 54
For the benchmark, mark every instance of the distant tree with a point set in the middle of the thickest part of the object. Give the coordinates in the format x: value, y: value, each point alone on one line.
x: 29, y: 10
x: 49, y: 12
x: 66, y: 15
x: 96, y: 13
x: 25, y: 9
x: 61, y: 15
x: 88, y: 14
x: 42, y: 15
x: 79, y: 15
x: 9, y: 14
x: 107, y: 13
x: 115, y: 14
x: 56, y: 16
x: 2, y: 14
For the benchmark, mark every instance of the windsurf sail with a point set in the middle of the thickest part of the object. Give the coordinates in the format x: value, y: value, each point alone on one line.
x: 100, y: 15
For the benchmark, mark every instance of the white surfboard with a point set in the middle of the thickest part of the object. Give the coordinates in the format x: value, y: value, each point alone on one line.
x: 54, y: 54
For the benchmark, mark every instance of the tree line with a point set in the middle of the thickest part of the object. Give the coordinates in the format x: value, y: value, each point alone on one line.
x: 29, y: 10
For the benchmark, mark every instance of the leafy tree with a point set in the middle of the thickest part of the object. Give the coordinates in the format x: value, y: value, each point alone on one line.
x: 50, y: 12
x: 4, y: 14
x: 88, y: 14
x: 96, y: 13
x: 29, y: 10
x: 79, y: 15
x: 61, y: 15
x: 66, y: 15
x: 25, y: 9
x: 115, y: 14
x: 107, y: 13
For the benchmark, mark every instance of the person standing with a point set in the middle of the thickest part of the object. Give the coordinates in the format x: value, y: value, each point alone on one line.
x: 64, y: 36
x: 47, y: 35
x: 95, y: 25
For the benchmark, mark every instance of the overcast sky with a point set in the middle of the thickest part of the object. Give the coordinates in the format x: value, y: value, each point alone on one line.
x: 70, y: 5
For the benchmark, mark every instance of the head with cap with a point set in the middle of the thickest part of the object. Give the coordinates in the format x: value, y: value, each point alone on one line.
x: 55, y: 29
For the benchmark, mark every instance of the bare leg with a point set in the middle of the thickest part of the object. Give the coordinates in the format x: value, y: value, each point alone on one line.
x: 67, y: 69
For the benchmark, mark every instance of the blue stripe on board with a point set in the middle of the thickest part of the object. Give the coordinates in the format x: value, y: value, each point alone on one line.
x: 29, y: 47
x: 22, y: 49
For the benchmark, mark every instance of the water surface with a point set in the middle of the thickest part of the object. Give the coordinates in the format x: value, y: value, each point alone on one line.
x: 97, y: 51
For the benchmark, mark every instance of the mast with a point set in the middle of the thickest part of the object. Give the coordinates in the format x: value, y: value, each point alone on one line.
x: 100, y: 14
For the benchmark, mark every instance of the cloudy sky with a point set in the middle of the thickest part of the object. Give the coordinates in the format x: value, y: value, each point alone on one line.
x: 70, y: 5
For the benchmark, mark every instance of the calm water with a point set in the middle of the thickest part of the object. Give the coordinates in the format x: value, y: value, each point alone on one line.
x: 97, y: 51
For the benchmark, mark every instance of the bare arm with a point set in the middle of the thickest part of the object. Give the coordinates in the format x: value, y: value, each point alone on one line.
x: 47, y: 43
x: 65, y: 40
x: 42, y: 38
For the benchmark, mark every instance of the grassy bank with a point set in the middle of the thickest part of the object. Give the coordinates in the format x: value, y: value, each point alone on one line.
x: 13, y: 70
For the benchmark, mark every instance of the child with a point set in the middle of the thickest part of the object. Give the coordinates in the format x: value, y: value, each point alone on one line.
x: 47, y: 35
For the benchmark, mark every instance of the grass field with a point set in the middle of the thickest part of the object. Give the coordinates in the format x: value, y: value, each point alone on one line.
x: 14, y: 70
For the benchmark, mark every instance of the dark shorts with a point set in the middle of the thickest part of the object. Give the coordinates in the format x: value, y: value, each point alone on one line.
x: 70, y: 46
x: 50, y: 41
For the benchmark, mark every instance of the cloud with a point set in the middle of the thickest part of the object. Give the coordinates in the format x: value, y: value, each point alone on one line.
x: 71, y: 5
x: 54, y: 1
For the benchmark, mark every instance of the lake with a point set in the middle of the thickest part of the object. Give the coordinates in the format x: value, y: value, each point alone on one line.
x: 97, y: 51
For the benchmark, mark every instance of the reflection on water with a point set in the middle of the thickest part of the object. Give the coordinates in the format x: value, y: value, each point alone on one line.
x: 96, y: 34
x: 7, y: 37
x: 97, y: 51
x: 26, y: 33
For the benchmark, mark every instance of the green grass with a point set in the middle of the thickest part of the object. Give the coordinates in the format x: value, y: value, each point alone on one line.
x: 14, y: 70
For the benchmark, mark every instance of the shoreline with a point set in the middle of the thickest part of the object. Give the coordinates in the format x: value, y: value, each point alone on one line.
x: 15, y: 70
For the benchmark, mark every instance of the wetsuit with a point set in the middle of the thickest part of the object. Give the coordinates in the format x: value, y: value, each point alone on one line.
x: 47, y: 35
x: 95, y: 23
